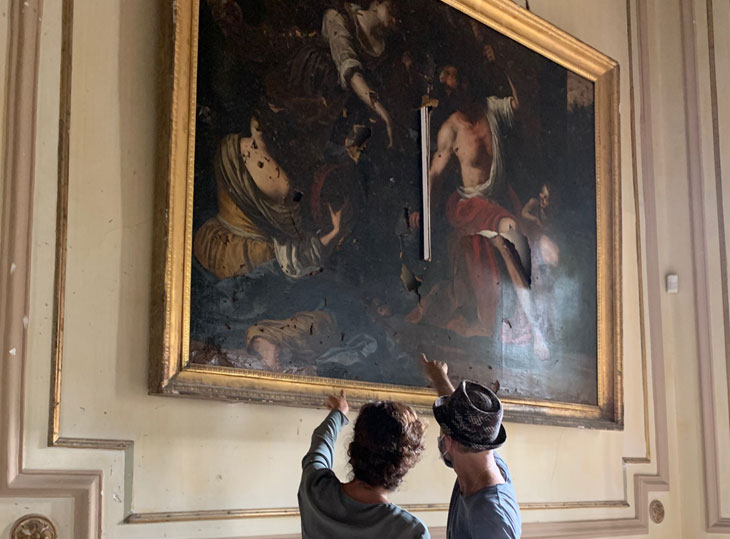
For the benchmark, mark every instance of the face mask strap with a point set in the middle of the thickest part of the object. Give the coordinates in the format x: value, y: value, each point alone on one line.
x: 442, y: 451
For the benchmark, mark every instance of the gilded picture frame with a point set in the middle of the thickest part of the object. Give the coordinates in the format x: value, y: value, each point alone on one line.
x: 171, y: 371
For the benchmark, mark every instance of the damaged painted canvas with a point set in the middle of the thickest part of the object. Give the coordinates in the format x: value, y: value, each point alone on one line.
x: 350, y: 185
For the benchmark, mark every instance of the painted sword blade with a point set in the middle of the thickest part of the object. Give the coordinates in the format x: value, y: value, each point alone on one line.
x: 425, y: 190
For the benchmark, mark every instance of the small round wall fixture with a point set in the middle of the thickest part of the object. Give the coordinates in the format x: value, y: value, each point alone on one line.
x: 656, y: 511
x: 33, y: 527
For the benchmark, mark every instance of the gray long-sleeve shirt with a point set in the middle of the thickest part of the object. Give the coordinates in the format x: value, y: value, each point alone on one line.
x: 328, y: 513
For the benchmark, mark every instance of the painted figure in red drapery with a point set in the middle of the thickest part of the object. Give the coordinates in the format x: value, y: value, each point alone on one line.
x: 485, y: 232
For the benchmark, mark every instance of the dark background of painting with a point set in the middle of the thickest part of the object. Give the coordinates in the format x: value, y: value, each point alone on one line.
x: 549, y: 144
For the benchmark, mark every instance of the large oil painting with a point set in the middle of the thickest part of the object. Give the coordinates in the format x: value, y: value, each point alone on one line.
x: 367, y: 182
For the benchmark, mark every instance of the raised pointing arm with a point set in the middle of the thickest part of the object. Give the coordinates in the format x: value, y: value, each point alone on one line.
x: 322, y: 450
x: 437, y: 372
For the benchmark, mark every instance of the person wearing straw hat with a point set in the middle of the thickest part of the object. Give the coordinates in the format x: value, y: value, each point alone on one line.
x: 483, y: 503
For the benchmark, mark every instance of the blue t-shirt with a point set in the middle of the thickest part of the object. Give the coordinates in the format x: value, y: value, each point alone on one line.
x: 491, y: 513
x: 328, y: 513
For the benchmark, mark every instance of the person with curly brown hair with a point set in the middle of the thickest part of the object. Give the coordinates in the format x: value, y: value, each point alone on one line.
x: 387, y: 442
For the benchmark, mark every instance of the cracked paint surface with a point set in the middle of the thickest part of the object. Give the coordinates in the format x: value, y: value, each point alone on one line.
x: 308, y: 219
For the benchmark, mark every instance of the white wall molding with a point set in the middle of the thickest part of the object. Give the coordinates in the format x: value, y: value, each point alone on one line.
x: 15, y: 251
x: 702, y: 132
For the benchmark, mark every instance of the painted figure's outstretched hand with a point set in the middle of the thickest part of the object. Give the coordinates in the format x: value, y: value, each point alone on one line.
x: 437, y: 372
x: 338, y: 402
x: 336, y: 218
x: 370, y: 97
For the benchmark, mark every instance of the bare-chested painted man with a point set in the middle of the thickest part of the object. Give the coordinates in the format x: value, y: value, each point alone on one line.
x: 473, y: 135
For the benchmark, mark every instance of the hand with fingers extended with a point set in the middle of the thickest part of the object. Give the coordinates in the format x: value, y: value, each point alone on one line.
x: 338, y: 402
x: 438, y: 373
x: 336, y: 219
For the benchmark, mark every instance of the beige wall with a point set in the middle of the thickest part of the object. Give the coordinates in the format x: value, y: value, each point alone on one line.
x: 191, y: 455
